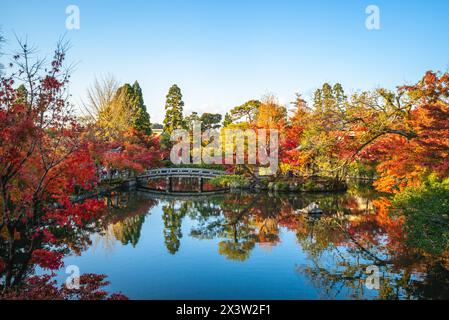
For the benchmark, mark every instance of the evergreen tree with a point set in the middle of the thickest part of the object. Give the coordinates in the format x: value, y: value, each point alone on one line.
x: 318, y: 100
x: 247, y: 111
x: 22, y: 94
x: 227, y: 120
x: 142, y: 118
x: 126, y: 110
x: 339, y: 95
x: 189, y: 120
x: 173, y: 110
x: 210, y: 120
x: 329, y: 98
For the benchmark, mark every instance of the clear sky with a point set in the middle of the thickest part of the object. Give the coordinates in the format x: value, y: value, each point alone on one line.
x: 222, y: 53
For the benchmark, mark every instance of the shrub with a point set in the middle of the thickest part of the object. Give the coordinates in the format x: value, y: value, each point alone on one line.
x: 231, y: 180
x: 426, y: 213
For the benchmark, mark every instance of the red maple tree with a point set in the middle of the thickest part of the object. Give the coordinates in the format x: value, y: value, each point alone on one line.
x: 43, y: 163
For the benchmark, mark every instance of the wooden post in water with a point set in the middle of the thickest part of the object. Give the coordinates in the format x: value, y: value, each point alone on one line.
x: 200, y: 184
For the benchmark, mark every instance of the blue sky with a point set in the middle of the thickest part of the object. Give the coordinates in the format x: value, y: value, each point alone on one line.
x: 222, y: 53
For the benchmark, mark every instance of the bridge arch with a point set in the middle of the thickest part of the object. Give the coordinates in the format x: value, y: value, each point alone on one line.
x: 170, y: 173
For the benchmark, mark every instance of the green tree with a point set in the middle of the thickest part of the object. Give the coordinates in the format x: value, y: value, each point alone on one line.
x: 246, y: 111
x: 189, y: 120
x: 227, y: 120
x: 157, y: 126
x: 126, y: 110
x: 22, y: 94
x: 141, y: 117
x: 210, y: 120
x: 330, y: 102
x: 426, y: 212
x: 320, y: 138
x: 173, y: 110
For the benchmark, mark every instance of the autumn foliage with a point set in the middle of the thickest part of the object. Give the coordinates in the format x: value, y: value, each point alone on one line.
x: 406, y: 161
x: 48, y: 158
x: 44, y: 162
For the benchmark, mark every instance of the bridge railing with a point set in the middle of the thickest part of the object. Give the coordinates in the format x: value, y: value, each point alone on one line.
x: 162, y: 172
x: 182, y: 172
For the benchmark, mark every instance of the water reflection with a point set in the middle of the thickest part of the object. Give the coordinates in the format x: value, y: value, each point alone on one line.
x: 242, y: 220
x: 251, y: 237
x: 126, y: 215
x: 181, y: 184
x: 352, y: 234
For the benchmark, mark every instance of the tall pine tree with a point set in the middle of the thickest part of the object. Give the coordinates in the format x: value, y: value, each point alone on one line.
x: 173, y: 110
x: 142, y: 118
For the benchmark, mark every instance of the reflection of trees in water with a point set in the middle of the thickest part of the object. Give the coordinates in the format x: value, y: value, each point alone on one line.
x: 255, y: 219
x: 435, y: 284
x: 18, y: 256
x: 344, y: 275
x: 340, y: 244
x: 350, y: 236
x: 181, y: 184
x: 123, y: 220
x: 238, y: 230
x: 128, y: 230
x: 127, y: 211
x: 241, y: 220
x: 204, y: 212
x: 235, y: 250
x: 333, y: 266
x: 172, y: 216
x: 341, y: 248
x: 244, y: 220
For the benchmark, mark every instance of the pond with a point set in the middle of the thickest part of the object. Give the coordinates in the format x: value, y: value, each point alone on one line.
x: 257, y: 246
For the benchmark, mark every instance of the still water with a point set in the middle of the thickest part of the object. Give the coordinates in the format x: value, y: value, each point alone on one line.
x: 257, y: 246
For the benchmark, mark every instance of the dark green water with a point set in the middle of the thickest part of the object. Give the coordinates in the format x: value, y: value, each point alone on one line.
x: 257, y: 246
